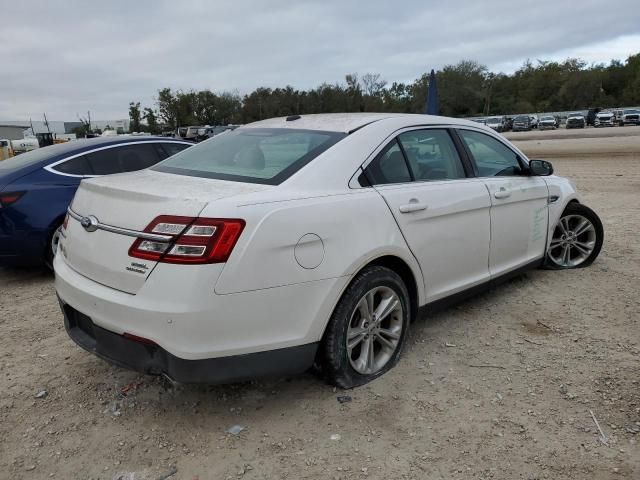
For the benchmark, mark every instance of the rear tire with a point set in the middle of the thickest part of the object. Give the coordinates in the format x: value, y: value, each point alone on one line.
x: 367, y: 330
x: 52, y: 246
x: 577, y: 239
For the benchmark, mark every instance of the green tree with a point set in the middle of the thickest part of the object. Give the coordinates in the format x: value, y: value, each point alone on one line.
x: 134, y: 117
x: 152, y: 121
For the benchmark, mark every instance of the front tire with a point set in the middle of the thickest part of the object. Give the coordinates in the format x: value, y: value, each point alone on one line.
x: 367, y: 330
x: 577, y: 238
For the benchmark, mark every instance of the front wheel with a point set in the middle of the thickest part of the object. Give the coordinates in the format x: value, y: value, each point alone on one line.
x: 367, y: 330
x: 577, y: 238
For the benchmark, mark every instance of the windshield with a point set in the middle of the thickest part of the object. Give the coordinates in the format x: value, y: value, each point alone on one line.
x: 575, y: 114
x: 548, y: 118
x: 521, y: 118
x: 494, y: 120
x: 626, y: 112
x: 252, y: 155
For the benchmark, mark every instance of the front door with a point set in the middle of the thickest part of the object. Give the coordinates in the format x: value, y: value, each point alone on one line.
x: 519, y: 208
x: 443, y: 215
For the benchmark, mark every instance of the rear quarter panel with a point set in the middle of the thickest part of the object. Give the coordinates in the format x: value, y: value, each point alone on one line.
x: 27, y: 224
x: 349, y: 229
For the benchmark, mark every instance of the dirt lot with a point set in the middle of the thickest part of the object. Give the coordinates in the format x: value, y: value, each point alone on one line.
x: 498, y: 387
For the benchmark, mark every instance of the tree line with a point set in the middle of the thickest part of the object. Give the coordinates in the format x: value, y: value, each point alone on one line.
x: 465, y: 89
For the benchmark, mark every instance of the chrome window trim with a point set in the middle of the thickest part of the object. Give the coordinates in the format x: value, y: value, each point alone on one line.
x: 124, y: 231
x: 353, y: 181
x: 50, y: 168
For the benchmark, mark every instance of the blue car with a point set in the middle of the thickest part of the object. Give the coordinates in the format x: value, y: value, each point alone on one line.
x: 37, y: 187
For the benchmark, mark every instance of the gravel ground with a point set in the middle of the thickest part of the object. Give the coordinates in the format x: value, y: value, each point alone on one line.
x: 501, y: 386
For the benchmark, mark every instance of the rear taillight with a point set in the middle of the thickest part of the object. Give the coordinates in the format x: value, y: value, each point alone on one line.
x: 190, y: 240
x: 8, y: 198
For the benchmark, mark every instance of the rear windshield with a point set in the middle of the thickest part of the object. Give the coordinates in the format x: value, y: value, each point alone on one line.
x: 251, y: 155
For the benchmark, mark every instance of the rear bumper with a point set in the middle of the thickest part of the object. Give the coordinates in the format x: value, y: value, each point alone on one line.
x: 154, y: 360
x: 177, y: 309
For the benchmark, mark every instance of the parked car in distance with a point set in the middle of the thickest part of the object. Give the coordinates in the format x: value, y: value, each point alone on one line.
x: 547, y: 122
x: 313, y: 238
x: 482, y: 121
x: 630, y: 116
x: 508, y: 124
x: 604, y: 119
x: 591, y: 116
x: 188, y: 133
x: 208, y: 132
x: 497, y: 123
x: 36, y: 188
x: 575, y: 120
x: 521, y: 123
x: 534, y: 121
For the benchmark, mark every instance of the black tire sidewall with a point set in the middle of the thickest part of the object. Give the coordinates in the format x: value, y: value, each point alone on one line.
x: 335, y: 362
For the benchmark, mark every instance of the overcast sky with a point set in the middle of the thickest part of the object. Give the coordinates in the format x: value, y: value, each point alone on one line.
x: 70, y: 57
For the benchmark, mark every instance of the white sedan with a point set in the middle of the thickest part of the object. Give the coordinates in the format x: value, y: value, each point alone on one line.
x: 306, y: 239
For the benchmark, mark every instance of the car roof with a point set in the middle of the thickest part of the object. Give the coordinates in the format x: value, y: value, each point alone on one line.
x: 349, y: 122
x: 41, y: 157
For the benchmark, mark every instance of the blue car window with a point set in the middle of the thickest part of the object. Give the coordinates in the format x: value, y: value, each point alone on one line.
x: 75, y: 166
x: 127, y: 158
x: 172, y: 148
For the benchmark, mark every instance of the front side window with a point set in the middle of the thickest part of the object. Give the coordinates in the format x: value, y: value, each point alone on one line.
x: 252, y: 155
x: 492, y: 158
x: 432, y: 155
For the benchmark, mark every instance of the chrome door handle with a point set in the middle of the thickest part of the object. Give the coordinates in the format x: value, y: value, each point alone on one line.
x: 413, y: 206
x: 502, y: 193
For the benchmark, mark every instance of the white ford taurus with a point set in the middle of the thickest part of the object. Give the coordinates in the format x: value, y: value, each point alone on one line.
x: 306, y: 239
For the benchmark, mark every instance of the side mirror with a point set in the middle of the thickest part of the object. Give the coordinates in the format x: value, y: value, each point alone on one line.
x: 540, y: 168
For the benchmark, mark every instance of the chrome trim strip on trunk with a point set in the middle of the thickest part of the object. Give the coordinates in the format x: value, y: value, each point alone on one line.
x: 124, y: 231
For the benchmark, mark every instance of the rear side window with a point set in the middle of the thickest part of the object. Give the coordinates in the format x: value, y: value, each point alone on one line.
x: 252, y: 155
x: 75, y: 166
x: 492, y: 157
x: 127, y: 158
x: 389, y: 166
x: 432, y: 155
x: 168, y: 149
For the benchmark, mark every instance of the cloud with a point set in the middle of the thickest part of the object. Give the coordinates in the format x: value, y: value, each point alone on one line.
x: 67, y: 60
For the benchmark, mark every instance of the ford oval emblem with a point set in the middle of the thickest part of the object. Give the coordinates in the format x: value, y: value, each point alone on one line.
x: 90, y: 223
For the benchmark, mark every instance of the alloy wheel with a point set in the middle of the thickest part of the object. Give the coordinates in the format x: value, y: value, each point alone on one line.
x: 55, y: 240
x: 374, y: 330
x: 573, y: 241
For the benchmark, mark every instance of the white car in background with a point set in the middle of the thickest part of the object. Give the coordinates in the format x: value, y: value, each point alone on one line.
x: 604, y: 119
x: 547, y: 122
x: 306, y: 239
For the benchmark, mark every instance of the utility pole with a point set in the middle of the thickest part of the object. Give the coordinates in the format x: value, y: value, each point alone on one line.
x: 46, y: 122
x: 89, y: 117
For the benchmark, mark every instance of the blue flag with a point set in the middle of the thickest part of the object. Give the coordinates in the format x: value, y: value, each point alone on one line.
x: 431, y: 107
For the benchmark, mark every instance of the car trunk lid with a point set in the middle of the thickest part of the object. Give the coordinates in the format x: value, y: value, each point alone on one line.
x: 123, y: 206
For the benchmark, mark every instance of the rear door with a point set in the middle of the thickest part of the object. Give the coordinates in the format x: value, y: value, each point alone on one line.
x: 443, y: 214
x: 519, y: 209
